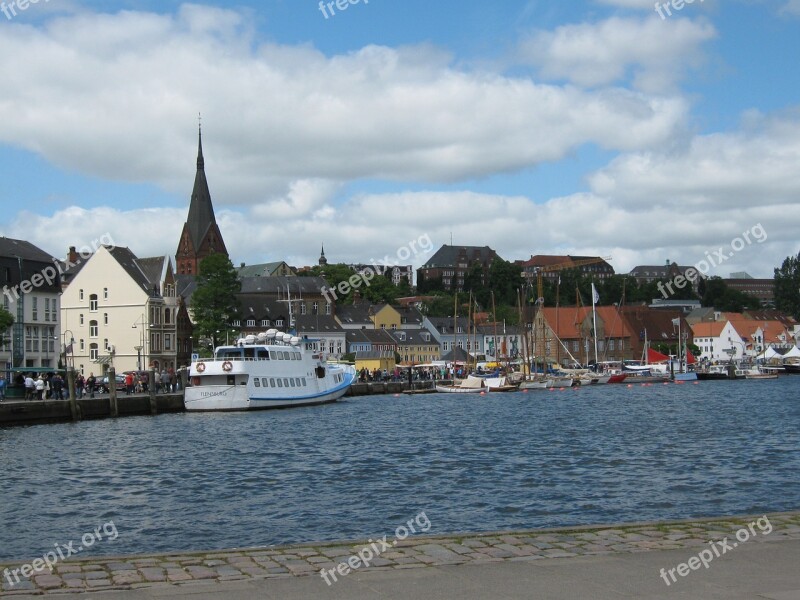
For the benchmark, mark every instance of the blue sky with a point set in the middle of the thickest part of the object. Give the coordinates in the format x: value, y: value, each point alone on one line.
x: 590, y: 127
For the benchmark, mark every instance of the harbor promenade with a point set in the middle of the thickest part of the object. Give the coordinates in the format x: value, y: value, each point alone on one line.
x: 707, y: 558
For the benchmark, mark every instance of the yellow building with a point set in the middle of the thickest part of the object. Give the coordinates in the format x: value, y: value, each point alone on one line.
x: 385, y: 317
x: 375, y: 359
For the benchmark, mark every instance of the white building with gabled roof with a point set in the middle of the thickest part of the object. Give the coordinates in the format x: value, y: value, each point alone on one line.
x: 121, y: 310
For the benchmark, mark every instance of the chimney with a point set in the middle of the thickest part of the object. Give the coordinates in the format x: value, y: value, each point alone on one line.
x: 72, y: 255
x: 241, y: 265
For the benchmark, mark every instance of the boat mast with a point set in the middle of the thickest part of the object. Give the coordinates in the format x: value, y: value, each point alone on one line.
x: 494, y: 318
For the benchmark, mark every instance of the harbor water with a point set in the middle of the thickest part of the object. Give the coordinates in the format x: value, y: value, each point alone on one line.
x: 362, y: 467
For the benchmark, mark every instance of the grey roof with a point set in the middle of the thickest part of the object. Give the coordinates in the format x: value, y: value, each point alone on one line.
x: 353, y: 314
x: 456, y: 355
x: 152, y: 267
x: 185, y: 286
x: 260, y: 308
x: 317, y: 324
x: 129, y: 262
x: 262, y: 270
x: 279, y: 285
x: 447, y: 256
x: 374, y: 354
x: 410, y: 315
x: 501, y: 330
x: 10, y: 247
x: 413, y: 337
x: 201, y: 211
x: 444, y: 325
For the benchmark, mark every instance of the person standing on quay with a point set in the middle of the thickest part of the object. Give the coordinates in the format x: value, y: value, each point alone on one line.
x: 30, y: 387
x: 39, y: 386
x: 128, y: 383
x: 90, y: 381
x: 2, y: 387
x: 80, y: 382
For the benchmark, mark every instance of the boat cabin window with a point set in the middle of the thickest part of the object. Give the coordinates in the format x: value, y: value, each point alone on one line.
x: 275, y: 355
x: 262, y: 353
x: 271, y: 382
x: 229, y: 353
x: 286, y: 355
x: 280, y: 382
x: 249, y: 353
x: 256, y: 382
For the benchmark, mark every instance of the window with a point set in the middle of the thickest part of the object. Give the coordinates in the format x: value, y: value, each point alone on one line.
x: 105, y: 293
x: 105, y: 318
x: 271, y: 382
x: 80, y: 295
x: 35, y: 309
x: 256, y: 382
x: 93, y: 303
x: 93, y: 329
x: 167, y: 316
x: 315, y: 308
x: 92, y: 351
x: 251, y: 322
x: 279, y: 323
x: 82, y: 346
x: 327, y: 308
x: 237, y: 323
x: 302, y: 308
x: 47, y: 309
x: 105, y: 344
x: 81, y: 320
x: 167, y: 341
x: 265, y: 323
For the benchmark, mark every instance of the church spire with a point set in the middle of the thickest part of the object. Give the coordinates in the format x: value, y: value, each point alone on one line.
x: 322, y: 260
x: 201, y: 163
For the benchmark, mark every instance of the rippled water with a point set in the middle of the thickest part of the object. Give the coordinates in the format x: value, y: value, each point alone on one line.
x: 363, y: 466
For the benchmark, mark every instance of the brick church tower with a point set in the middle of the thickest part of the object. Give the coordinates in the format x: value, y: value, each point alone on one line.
x: 200, y: 236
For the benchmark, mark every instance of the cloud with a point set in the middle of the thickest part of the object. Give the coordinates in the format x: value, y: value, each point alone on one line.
x: 655, y: 54
x: 126, y: 88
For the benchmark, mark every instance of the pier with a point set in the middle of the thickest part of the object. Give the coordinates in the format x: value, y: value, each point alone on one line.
x: 16, y: 411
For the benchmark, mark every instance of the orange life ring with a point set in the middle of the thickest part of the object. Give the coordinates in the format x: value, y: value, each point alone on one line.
x: 200, y: 367
x: 227, y: 366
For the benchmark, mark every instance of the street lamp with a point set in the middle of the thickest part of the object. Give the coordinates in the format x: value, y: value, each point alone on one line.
x: 141, y: 348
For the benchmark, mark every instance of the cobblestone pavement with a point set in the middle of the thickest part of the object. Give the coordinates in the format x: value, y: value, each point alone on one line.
x: 132, y: 572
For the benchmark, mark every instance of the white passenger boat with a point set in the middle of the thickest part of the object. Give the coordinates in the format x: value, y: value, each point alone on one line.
x: 271, y: 370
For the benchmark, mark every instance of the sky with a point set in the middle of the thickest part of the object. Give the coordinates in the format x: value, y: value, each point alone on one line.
x: 615, y: 128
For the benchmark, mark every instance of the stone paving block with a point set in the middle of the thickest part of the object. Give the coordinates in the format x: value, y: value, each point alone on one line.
x: 198, y: 572
x: 120, y: 566
x: 178, y: 575
x: 98, y: 583
x: 126, y: 577
x: 95, y: 575
x: 153, y: 574
x: 68, y: 569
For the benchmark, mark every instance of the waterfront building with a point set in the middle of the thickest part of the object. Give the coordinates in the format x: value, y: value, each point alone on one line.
x: 501, y: 342
x: 355, y: 316
x: 719, y: 341
x: 31, y: 290
x: 367, y: 340
x: 448, y: 267
x: 567, y: 334
x: 201, y: 235
x: 654, y: 326
x: 597, y: 268
x: 331, y: 337
x: 122, y: 311
x: 416, y: 346
x: 458, y: 333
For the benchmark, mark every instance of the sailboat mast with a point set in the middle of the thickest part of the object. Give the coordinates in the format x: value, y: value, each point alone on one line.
x: 494, y: 318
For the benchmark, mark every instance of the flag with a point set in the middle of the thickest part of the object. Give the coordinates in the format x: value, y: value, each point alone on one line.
x: 595, y: 295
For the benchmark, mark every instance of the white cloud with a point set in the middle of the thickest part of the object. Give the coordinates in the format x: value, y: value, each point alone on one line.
x: 653, y: 53
x: 125, y: 88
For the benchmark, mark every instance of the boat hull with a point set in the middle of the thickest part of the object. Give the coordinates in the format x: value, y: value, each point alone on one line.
x: 226, y: 398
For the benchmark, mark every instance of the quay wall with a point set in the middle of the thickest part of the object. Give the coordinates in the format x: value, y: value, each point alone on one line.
x: 30, y: 412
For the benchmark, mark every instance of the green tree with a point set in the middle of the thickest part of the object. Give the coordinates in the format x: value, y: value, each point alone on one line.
x: 6, y: 321
x: 505, y: 278
x: 720, y: 296
x: 787, y: 286
x: 214, y: 302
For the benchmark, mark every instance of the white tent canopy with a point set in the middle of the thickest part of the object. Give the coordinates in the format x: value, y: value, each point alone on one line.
x: 793, y: 353
x: 768, y: 354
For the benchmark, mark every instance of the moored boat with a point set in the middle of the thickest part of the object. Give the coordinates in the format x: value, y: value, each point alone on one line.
x: 271, y: 370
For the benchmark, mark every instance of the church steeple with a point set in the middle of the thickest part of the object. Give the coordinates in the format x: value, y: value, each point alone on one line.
x: 201, y: 235
x: 322, y: 260
x: 201, y: 164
